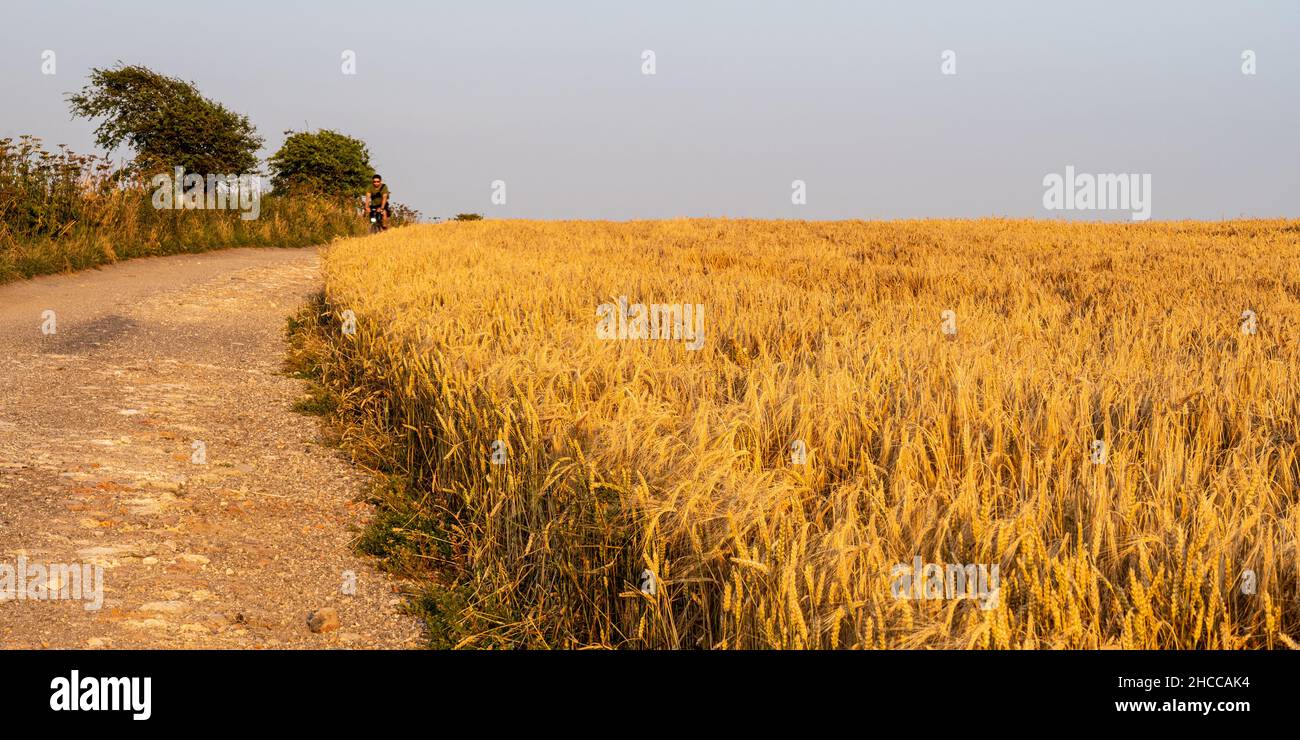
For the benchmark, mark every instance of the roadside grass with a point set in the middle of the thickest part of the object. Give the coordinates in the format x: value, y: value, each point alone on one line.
x: 405, y: 537
x: 143, y: 232
x: 61, y: 212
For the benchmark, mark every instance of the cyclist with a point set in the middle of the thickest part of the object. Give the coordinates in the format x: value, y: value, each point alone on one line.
x: 379, y: 198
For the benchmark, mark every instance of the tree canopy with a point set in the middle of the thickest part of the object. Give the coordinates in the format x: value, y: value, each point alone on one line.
x: 324, y: 162
x: 167, y: 122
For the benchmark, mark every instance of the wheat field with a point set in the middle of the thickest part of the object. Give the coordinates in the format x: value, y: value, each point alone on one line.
x: 1109, y: 415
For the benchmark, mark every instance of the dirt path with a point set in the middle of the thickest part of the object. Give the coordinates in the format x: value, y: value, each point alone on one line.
x: 100, y: 424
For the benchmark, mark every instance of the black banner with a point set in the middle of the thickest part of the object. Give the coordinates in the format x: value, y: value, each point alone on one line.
x: 932, y: 689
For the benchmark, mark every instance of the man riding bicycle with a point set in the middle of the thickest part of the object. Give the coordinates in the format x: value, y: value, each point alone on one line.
x: 379, y: 199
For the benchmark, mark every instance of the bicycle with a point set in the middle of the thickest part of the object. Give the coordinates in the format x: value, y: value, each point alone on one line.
x: 376, y: 220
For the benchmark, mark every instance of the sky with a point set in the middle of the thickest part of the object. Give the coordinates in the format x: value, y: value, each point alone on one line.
x: 850, y: 98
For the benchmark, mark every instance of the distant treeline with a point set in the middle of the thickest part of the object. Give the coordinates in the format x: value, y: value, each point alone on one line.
x: 60, y: 210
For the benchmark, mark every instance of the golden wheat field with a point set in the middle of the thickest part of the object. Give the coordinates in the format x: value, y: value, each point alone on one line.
x: 1110, y: 415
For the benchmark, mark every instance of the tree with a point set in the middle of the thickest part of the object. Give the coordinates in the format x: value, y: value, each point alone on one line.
x: 325, y: 162
x: 167, y: 122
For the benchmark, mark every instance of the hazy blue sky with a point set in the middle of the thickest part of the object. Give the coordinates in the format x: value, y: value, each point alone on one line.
x: 748, y: 96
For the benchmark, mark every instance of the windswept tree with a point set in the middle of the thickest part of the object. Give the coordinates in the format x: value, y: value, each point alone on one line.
x: 167, y: 122
x: 324, y: 162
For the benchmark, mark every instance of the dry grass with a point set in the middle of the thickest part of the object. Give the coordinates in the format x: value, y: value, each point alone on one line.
x: 61, y: 212
x: 633, y: 455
